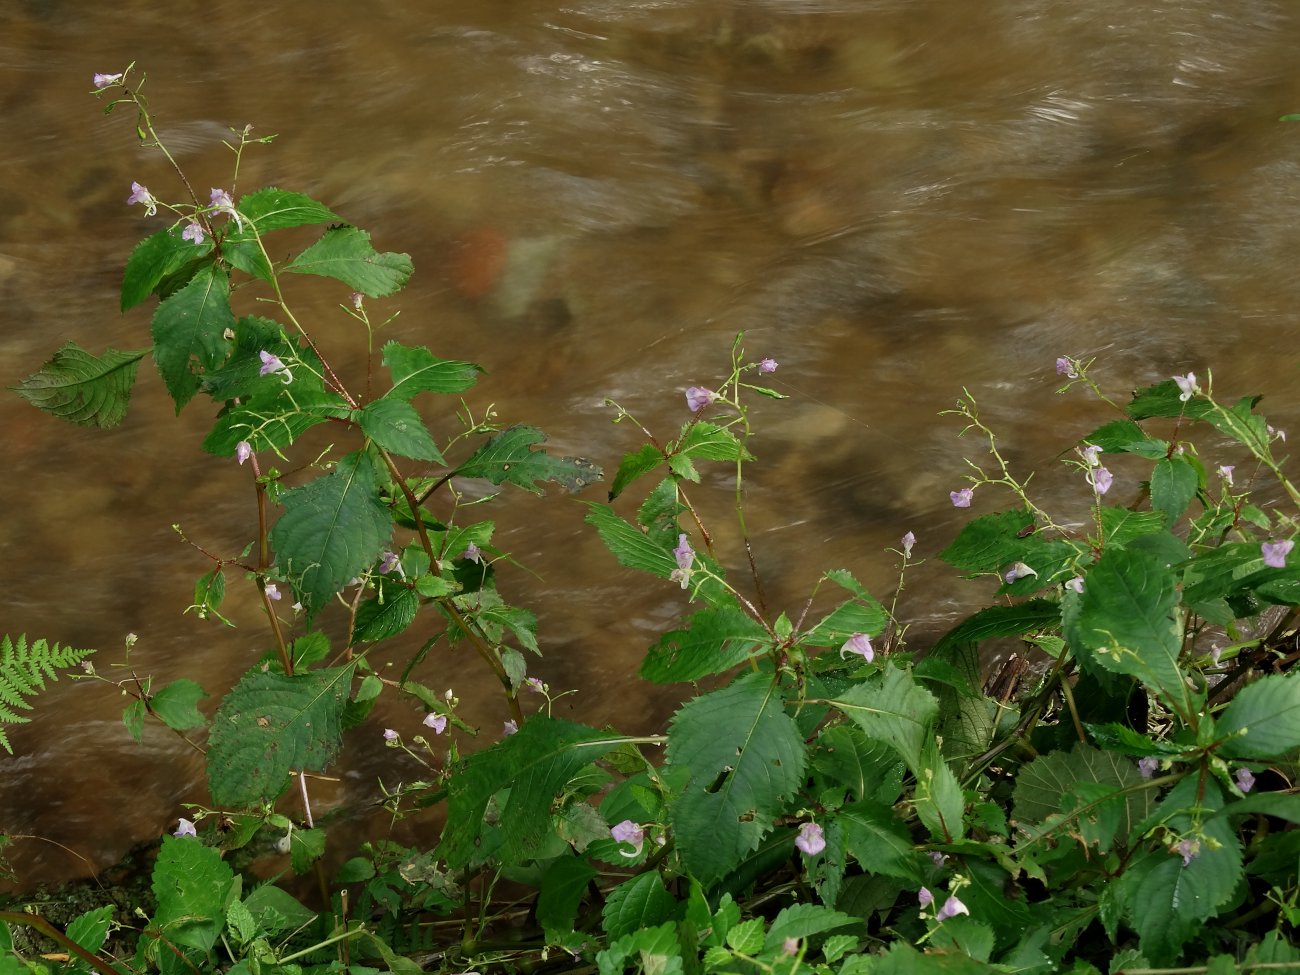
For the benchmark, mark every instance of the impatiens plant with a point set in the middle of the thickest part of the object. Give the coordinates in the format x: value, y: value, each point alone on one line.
x: 829, y: 797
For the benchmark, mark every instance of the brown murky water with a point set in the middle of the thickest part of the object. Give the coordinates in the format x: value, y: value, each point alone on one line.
x: 894, y: 199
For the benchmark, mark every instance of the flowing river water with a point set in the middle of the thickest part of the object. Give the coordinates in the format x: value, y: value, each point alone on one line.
x: 893, y: 198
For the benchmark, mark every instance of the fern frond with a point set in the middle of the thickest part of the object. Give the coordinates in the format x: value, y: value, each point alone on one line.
x: 23, y: 672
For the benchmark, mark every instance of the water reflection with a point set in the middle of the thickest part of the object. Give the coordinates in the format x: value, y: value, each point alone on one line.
x: 893, y: 199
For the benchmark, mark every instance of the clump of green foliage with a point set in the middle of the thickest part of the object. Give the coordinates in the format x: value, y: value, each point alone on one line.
x: 831, y: 800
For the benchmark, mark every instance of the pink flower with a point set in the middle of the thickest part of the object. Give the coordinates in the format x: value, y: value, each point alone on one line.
x: 962, y: 498
x: 1225, y: 472
x: 1101, y: 480
x: 1147, y: 766
x: 1018, y: 570
x: 1189, y: 850
x: 222, y: 203
x: 509, y: 728
x: 860, y: 644
x: 629, y: 832
x: 390, y: 734
x: 272, y: 591
x: 908, y: 541
x: 1187, y: 386
x: 185, y: 828
x: 141, y: 194
x: 533, y: 683
x: 388, y: 562
x: 1275, y: 553
x: 243, y: 451
x: 1064, y: 367
x: 951, y: 908
x: 193, y: 232
x: 472, y: 553
x: 925, y: 897
x: 767, y: 365
x: 438, y: 722
x: 697, y: 398
x: 103, y: 81
x: 810, y: 839
x: 1075, y: 584
x: 271, y: 365
x: 1245, y: 779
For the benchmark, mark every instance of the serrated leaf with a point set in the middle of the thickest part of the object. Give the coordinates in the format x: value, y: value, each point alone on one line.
x: 1174, y: 482
x: 306, y: 846
x: 177, y: 705
x: 269, y: 725
x: 634, y: 465
x: 90, y: 930
x: 562, y: 891
x: 510, y: 457
x: 190, y: 885
x: 91, y: 391
x: 416, y: 370
x: 1050, y: 785
x: 745, y: 757
x: 1263, y: 719
x: 639, y: 903
x: 806, y: 920
x: 1119, y: 526
x: 1166, y: 900
x: 867, y: 769
x: 1129, y: 618
x: 880, y: 842
x: 747, y: 936
x: 331, y: 530
x: 715, y: 641
x: 399, y: 429
x: 275, y: 209
x: 893, y: 709
x: 989, y: 542
x: 272, y: 419
x: 380, y: 620
x: 630, y: 546
x: 862, y: 614
x: 535, y: 763
x: 1166, y: 399
x: 1125, y: 436
x: 708, y: 441
x: 153, y: 259
x: 189, y: 330
x: 345, y: 253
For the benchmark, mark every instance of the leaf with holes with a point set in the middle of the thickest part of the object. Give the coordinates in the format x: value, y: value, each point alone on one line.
x: 270, y: 725
x: 745, y: 758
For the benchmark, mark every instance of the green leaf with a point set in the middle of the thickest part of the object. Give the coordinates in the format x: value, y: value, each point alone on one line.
x: 1119, y: 526
x: 398, y: 428
x: 24, y: 670
x: 153, y: 259
x: 641, y: 902
x: 189, y: 330
x: 269, y: 725
x: 272, y: 419
x: 716, y: 640
x: 745, y: 758
x: 899, y: 712
x: 561, y: 894
x: 306, y: 846
x: 275, y: 209
x: 708, y: 441
x: 90, y: 930
x: 881, y: 842
x: 632, y: 547
x: 862, y: 614
x: 331, y: 530
x: 191, y: 884
x: 805, y: 921
x: 635, y: 465
x: 345, y: 253
x: 1018, y: 619
x: 747, y: 936
x: 416, y: 370
x: 1166, y: 900
x: 1263, y: 719
x: 380, y: 620
x: 1125, y: 436
x: 177, y: 705
x: 1083, y: 783
x: 84, y: 389
x: 989, y: 542
x: 1129, y: 618
x: 656, y: 952
x: 895, y: 710
x: 1174, y: 482
x: 1165, y: 399
x: 535, y: 763
x: 867, y: 769
x: 509, y: 456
